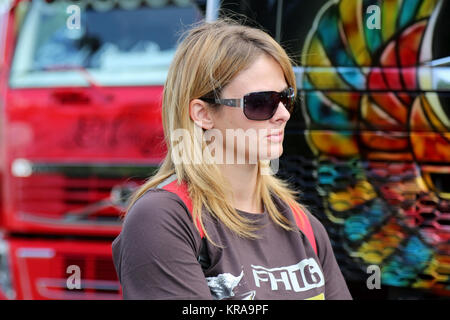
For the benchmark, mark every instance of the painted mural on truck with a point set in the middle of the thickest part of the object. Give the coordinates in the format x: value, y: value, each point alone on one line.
x: 376, y: 99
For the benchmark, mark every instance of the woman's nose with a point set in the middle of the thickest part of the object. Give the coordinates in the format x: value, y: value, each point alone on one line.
x: 282, y: 113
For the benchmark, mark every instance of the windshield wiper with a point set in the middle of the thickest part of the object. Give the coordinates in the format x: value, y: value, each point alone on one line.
x: 118, y: 198
x: 86, y: 76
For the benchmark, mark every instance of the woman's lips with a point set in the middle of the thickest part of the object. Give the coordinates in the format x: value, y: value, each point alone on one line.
x: 275, y: 137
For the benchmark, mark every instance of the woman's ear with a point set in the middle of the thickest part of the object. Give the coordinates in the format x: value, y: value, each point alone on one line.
x: 201, y: 114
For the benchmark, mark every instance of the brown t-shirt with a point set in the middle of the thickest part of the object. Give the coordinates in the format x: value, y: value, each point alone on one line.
x: 156, y: 257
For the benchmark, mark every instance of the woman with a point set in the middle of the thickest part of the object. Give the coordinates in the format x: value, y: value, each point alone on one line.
x: 227, y: 99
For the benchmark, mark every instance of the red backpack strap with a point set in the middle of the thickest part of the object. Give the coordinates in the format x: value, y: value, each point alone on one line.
x: 171, y: 184
x: 303, y: 223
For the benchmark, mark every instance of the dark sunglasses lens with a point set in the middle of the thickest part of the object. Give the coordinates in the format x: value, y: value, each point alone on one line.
x: 261, y: 105
x: 288, y: 103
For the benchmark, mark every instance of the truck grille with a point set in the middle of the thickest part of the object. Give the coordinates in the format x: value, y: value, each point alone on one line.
x: 77, y: 194
x: 64, y: 269
x: 98, y: 280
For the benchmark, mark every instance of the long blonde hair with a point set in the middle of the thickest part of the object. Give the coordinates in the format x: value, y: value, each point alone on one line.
x: 208, y: 58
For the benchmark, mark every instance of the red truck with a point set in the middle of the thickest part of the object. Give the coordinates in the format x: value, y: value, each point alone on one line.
x: 80, y: 97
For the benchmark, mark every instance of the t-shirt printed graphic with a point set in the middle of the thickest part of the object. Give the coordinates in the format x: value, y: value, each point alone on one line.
x: 223, y: 286
x: 156, y: 254
x: 303, y: 276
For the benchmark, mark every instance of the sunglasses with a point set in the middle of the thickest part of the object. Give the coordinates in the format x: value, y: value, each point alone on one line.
x: 259, y: 105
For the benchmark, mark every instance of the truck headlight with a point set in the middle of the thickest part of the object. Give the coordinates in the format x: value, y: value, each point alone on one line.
x: 21, y: 168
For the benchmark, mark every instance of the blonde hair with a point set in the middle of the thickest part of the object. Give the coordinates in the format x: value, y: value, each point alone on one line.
x: 208, y: 58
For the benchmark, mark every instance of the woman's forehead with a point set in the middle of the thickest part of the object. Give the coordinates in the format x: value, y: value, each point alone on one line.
x: 264, y: 74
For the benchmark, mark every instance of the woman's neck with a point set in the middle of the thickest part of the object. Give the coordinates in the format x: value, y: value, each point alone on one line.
x: 243, y: 179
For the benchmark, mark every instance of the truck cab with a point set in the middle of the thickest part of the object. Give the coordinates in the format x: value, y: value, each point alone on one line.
x: 80, y: 94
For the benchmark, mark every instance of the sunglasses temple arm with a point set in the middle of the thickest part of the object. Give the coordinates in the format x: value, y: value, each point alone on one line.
x: 238, y: 103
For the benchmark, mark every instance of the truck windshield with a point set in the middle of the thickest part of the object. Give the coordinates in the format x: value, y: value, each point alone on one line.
x: 117, y: 42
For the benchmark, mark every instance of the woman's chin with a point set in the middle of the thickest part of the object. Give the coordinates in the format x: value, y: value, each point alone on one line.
x: 274, y: 152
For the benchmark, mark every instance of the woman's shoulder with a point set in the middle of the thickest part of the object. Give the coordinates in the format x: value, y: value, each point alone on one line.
x: 324, y: 247
x: 156, y: 217
x: 316, y: 224
x: 156, y: 206
x: 318, y: 228
x: 155, y: 225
